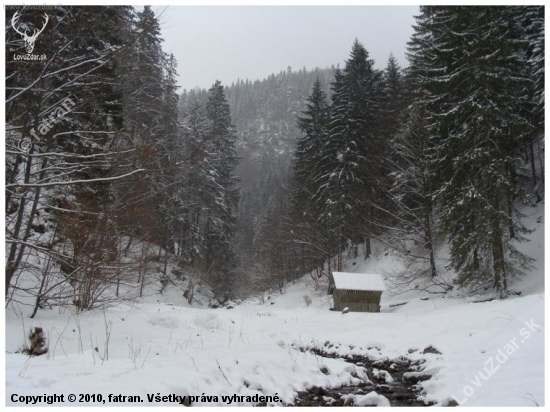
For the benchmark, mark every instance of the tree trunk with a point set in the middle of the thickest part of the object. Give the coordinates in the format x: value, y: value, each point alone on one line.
x: 498, y: 254
x: 165, y: 262
x: 428, y: 237
x: 541, y: 160
x: 127, y: 248
x: 39, y: 294
x: 533, y: 168
x: 13, y: 261
x: 532, y: 161
x: 11, y: 179
x: 510, y: 202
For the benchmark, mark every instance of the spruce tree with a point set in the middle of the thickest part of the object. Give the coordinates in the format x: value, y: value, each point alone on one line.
x: 354, y: 153
x: 468, y: 62
x: 393, y: 99
x: 307, y: 169
x: 221, y: 221
x: 314, y: 125
x: 531, y: 28
x: 198, y: 191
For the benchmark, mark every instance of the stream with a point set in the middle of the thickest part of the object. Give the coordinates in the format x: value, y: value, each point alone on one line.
x: 403, y: 391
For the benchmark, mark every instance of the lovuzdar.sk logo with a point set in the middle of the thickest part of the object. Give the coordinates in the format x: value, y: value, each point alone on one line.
x: 29, y: 39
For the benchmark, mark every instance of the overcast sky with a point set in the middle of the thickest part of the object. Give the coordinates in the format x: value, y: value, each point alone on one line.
x: 251, y: 42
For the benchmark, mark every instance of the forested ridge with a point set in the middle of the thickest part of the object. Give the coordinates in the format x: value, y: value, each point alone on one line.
x: 254, y: 184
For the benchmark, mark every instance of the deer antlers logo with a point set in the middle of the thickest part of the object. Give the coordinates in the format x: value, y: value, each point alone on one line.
x: 29, y: 40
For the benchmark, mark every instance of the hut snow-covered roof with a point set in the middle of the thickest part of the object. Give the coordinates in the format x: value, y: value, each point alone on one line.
x: 358, y: 281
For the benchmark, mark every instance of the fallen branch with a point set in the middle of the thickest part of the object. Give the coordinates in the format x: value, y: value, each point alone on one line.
x: 221, y: 370
x: 398, y: 304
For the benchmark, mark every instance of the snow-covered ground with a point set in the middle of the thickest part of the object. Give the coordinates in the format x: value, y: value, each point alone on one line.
x: 492, y: 352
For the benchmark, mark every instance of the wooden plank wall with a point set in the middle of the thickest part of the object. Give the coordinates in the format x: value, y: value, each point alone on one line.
x: 357, y: 300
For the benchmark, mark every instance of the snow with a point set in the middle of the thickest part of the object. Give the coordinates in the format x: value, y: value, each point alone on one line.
x: 358, y: 281
x: 170, y: 349
x: 370, y: 399
x: 162, y: 345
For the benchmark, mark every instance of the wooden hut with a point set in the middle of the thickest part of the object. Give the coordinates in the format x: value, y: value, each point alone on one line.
x: 360, y: 292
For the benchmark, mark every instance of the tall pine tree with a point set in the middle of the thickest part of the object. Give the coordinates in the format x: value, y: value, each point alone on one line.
x: 221, y: 221
x: 468, y: 62
x: 353, y: 156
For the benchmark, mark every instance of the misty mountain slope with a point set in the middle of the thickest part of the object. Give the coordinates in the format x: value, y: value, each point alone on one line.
x: 264, y: 113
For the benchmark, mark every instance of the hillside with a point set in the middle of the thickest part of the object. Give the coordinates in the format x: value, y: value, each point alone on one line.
x: 278, y: 344
x: 264, y: 114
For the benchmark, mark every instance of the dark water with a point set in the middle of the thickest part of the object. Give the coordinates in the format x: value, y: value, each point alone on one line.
x: 402, y: 392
